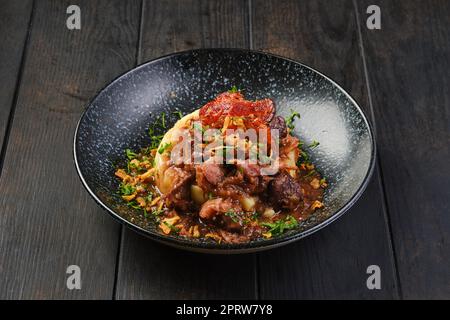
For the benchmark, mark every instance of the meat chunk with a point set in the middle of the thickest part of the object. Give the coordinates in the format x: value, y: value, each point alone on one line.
x: 214, y: 207
x: 286, y: 190
x: 248, y: 168
x: 223, y: 212
x: 178, y: 195
x: 279, y: 124
x: 254, y: 181
x: 209, y: 173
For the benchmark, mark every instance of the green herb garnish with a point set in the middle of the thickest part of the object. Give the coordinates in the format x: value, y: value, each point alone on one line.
x: 130, y: 154
x: 133, y: 204
x: 156, y: 213
x: 171, y: 227
x: 255, y: 215
x: 290, y: 120
x: 126, y: 189
x: 233, y: 215
x: 160, y: 123
x: 314, y: 144
x: 156, y: 140
x: 304, y: 156
x: 279, y: 226
x: 178, y: 113
x: 164, y: 147
x: 149, y: 197
x: 233, y: 89
x: 130, y: 166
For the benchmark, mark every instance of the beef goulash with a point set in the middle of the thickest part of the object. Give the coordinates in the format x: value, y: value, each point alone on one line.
x: 233, y: 201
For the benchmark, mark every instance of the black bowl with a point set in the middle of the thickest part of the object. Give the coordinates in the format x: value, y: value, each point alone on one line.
x: 119, y: 117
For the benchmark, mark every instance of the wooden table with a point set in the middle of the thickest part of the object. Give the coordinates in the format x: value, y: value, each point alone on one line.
x: 399, y: 75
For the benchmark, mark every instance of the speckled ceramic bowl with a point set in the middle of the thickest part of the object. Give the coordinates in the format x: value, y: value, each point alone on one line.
x: 119, y: 117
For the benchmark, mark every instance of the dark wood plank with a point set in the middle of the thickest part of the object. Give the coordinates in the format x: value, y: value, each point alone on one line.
x: 48, y: 221
x: 408, y: 63
x: 332, y: 263
x: 148, y: 270
x: 14, y: 21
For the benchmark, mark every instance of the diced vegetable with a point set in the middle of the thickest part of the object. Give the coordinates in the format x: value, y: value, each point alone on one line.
x: 197, y: 194
x: 269, y: 213
x: 248, y: 203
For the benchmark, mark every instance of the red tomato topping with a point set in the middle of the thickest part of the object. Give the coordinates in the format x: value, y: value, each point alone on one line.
x: 233, y: 104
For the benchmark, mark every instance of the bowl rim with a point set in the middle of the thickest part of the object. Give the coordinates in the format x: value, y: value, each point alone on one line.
x: 212, y: 247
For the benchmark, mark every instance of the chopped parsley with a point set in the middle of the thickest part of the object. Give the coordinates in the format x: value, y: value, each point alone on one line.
x: 304, y: 156
x: 290, y: 120
x: 157, y: 212
x: 149, y: 197
x: 178, y: 113
x: 130, y: 154
x: 164, y: 147
x: 233, y: 215
x: 126, y: 189
x: 171, y: 227
x: 233, y: 89
x: 131, y: 166
x: 156, y: 140
x: 314, y: 144
x: 133, y: 204
x: 160, y: 123
x: 255, y: 215
x: 279, y: 226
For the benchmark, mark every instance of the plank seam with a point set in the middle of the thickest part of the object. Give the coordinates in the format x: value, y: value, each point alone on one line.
x: 138, y: 58
x: 141, y: 27
x: 250, y: 25
x: 117, y: 269
x: 385, y: 205
x: 16, y: 90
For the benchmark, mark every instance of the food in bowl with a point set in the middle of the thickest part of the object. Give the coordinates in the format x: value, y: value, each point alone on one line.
x: 231, y: 171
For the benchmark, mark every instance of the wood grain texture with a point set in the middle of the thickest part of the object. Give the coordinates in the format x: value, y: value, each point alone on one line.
x: 148, y: 270
x: 333, y: 262
x: 48, y: 221
x: 408, y: 64
x: 14, y: 22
